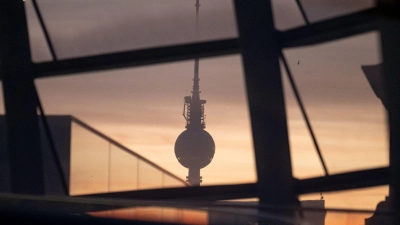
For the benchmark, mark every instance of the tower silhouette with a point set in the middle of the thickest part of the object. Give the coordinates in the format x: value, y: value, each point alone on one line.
x: 194, y: 147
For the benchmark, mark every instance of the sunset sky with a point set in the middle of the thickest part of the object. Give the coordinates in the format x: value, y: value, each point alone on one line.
x: 141, y: 107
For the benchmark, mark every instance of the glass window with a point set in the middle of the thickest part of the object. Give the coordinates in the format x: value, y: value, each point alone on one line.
x: 89, y: 162
x: 99, y: 165
x: 141, y: 108
x: 348, y: 119
x: 149, y: 177
x: 123, y: 171
x: 81, y: 28
x: 317, y: 10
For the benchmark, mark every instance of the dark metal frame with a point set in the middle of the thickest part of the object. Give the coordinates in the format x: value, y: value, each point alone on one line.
x: 264, y: 88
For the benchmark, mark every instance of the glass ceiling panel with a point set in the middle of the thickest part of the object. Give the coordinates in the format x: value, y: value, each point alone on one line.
x: 141, y: 108
x: 349, y: 120
x: 81, y: 28
x: 287, y: 13
x: 317, y: 10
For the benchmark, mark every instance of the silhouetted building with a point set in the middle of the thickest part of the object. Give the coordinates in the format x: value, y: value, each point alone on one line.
x: 380, y: 216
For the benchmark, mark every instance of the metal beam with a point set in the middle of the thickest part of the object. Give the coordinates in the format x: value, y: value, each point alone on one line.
x: 260, y: 53
x: 137, y: 58
x: 330, y: 30
x: 20, y: 100
x: 316, y: 33
x: 344, y: 181
x: 335, y: 182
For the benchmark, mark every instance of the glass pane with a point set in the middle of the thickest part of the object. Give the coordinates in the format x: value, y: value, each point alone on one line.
x: 169, y: 181
x: 141, y: 108
x: 89, y: 162
x: 158, y: 214
x: 149, y: 176
x: 286, y: 14
x: 39, y: 48
x: 349, y: 218
x: 123, y: 171
x: 171, y: 215
x: 99, y: 26
x: 317, y: 10
x: 348, y: 119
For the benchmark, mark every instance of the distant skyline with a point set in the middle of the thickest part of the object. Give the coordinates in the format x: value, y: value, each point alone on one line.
x: 142, y: 107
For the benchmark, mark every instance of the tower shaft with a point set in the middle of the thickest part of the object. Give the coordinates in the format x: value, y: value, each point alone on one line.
x: 194, y: 177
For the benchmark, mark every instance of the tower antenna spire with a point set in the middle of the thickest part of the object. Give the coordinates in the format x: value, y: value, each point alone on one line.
x: 197, y: 12
x: 196, y: 79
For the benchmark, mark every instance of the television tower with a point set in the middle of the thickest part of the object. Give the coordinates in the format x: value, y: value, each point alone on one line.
x: 194, y: 147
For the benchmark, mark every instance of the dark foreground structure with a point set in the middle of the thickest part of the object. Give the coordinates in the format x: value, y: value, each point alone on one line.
x: 260, y: 45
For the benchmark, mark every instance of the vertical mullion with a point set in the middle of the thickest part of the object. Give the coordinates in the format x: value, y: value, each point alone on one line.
x: 25, y: 157
x: 260, y: 53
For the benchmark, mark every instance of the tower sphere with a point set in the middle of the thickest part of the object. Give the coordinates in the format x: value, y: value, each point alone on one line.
x: 194, y: 148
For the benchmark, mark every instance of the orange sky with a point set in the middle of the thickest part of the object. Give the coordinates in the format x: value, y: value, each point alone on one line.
x: 142, y: 107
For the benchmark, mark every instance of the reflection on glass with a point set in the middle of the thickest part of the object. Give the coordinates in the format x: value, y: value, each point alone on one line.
x: 39, y: 49
x: 89, y: 162
x: 243, y: 215
x: 157, y: 214
x: 349, y: 121
x: 286, y: 14
x: 123, y: 171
